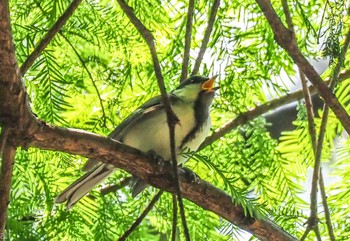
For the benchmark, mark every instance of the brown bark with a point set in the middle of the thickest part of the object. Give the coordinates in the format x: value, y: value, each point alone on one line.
x: 8, y: 157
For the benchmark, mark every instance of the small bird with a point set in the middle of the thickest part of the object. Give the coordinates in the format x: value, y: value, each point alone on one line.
x: 147, y: 130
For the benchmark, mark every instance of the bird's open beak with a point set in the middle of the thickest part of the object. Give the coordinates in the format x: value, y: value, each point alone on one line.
x: 209, y: 84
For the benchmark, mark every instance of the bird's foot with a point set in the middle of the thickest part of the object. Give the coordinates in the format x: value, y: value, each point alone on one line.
x: 157, y: 158
x: 190, y: 175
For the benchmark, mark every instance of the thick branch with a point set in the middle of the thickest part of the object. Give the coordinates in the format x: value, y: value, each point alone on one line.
x: 49, y: 36
x: 8, y: 158
x: 13, y: 105
x: 139, y: 164
x: 284, y: 38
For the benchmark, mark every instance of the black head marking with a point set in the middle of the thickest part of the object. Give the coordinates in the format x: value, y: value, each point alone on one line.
x: 193, y: 80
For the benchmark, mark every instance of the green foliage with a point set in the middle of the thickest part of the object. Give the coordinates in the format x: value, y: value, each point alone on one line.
x: 98, y: 69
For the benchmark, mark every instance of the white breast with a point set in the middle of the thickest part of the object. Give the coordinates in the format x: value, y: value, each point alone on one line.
x: 153, y: 133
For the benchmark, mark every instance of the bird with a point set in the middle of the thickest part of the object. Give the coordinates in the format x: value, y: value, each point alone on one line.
x: 147, y: 130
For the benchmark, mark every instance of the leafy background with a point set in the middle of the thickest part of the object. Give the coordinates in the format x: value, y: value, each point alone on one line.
x: 98, y: 69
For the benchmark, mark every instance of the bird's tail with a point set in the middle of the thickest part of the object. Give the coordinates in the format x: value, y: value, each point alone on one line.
x: 73, y: 193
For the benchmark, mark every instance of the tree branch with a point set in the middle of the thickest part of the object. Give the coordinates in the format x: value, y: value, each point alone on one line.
x: 49, y: 36
x: 187, y: 41
x: 249, y: 115
x: 113, y: 188
x: 206, y: 37
x: 14, y: 108
x: 327, y: 213
x: 138, y: 221
x: 284, y: 38
x: 171, y: 117
x: 174, y: 221
x: 312, y: 223
x: 139, y: 164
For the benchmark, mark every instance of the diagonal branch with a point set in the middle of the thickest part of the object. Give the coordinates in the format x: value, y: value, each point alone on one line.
x: 284, y: 38
x: 206, y: 37
x: 187, y: 41
x: 312, y: 223
x: 138, y: 221
x: 115, y: 187
x: 171, y: 117
x: 140, y: 164
x: 249, y: 115
x: 327, y: 212
x: 49, y: 36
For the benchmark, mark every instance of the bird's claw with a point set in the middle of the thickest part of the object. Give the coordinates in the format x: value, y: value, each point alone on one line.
x: 157, y: 158
x: 190, y: 175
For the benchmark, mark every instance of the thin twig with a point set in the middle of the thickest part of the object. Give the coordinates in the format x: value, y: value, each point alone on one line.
x: 318, y: 234
x: 336, y: 76
x: 326, y: 208
x: 138, y: 221
x: 8, y: 159
x: 174, y: 226
x: 90, y: 76
x: 49, y: 36
x: 171, y: 117
x: 307, y: 231
x: 206, y: 37
x: 310, y: 112
x: 312, y: 221
x: 188, y: 37
x: 113, y: 188
x: 322, y: 19
x: 288, y: 15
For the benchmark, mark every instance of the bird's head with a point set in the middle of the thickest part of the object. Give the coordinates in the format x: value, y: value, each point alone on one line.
x: 197, y: 87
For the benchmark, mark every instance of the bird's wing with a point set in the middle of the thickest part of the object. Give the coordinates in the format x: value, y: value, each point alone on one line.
x: 145, y: 110
x: 151, y: 105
